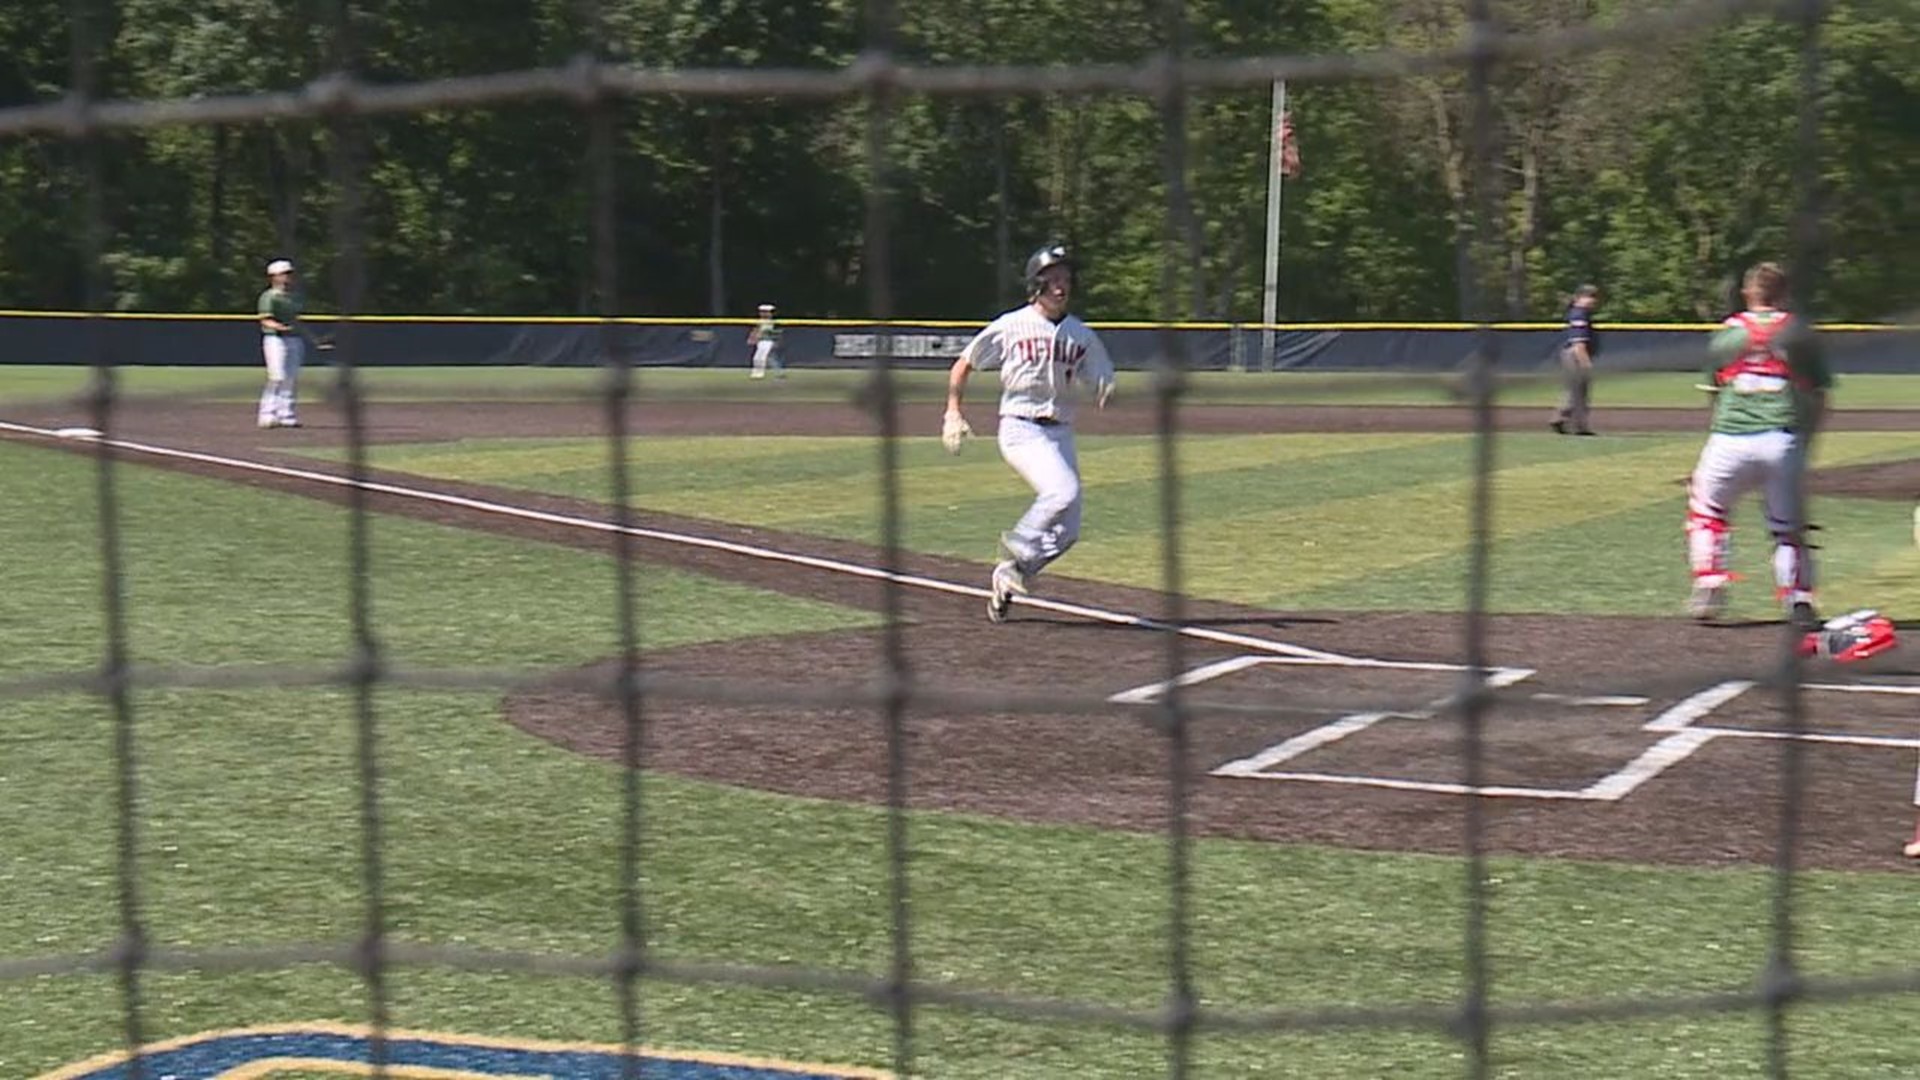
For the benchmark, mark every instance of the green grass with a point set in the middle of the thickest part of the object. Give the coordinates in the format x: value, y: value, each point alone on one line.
x: 27, y: 383
x: 1296, y: 521
x: 248, y: 833
x: 441, y: 596
x: 495, y: 840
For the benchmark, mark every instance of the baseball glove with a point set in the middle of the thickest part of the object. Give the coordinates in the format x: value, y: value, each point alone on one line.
x: 954, y: 432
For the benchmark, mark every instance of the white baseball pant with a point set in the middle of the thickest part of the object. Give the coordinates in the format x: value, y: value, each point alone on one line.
x: 283, y: 356
x: 764, y: 358
x: 1044, y: 456
x: 1729, y: 467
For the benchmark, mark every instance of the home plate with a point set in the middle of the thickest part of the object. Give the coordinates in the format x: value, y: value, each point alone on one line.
x: 76, y: 433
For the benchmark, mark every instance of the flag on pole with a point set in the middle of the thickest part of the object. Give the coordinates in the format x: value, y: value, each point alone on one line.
x: 1289, y: 148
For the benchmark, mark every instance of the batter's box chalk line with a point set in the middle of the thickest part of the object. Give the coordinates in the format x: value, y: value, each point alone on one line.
x: 1681, y: 736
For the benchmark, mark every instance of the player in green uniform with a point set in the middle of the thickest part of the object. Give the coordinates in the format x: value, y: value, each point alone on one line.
x: 283, y: 346
x: 1769, y: 399
x: 765, y: 339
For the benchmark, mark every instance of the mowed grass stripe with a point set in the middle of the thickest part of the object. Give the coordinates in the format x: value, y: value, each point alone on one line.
x: 1867, y: 556
x: 582, y: 464
x: 1339, y: 521
x: 1633, y: 560
x: 773, y: 486
x: 1346, y: 546
x: 1602, y: 564
x: 1257, y: 556
x: 1122, y: 477
x: 1122, y: 481
x: 1132, y: 507
x: 931, y: 477
x: 700, y: 463
x: 1609, y: 566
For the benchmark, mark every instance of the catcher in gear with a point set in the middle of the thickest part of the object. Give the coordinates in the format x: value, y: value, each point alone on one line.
x: 1769, y: 397
x: 1046, y: 357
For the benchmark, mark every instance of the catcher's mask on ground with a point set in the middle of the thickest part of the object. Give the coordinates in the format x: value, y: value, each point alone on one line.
x: 1852, y: 637
x: 1051, y: 255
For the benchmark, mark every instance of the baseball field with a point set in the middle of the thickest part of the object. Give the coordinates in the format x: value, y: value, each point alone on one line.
x: 1631, y: 793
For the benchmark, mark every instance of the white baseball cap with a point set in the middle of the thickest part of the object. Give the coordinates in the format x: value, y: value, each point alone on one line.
x: 279, y: 266
x: 766, y: 307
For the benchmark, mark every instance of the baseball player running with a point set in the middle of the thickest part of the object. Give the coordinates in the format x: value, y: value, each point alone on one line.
x: 1044, y: 356
x: 1769, y: 399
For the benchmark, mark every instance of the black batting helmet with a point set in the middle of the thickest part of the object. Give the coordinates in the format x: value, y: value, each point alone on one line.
x: 1051, y: 255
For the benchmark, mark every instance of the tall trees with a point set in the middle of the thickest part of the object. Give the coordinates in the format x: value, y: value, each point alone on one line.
x: 743, y: 199
x: 38, y: 191
x: 1658, y: 170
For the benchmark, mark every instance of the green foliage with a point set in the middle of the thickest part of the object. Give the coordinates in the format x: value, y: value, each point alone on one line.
x: 1659, y: 169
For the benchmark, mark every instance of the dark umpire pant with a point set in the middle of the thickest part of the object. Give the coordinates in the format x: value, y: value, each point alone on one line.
x: 1572, y: 415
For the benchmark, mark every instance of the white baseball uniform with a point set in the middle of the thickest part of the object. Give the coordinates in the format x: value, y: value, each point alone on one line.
x: 766, y: 347
x: 284, y: 355
x: 1042, y: 365
x: 283, y: 352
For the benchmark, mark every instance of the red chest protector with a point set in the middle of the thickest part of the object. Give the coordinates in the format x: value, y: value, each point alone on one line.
x: 1762, y: 355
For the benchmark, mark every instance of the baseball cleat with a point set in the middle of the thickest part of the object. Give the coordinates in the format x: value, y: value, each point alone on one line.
x: 1802, y: 617
x: 1007, y: 580
x: 266, y: 422
x: 1706, y: 603
x: 1912, y: 850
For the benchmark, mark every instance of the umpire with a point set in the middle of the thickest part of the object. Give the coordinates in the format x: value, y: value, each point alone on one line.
x: 1577, y: 350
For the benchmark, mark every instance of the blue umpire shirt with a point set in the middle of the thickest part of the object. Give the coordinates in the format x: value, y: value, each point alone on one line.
x: 1580, y: 329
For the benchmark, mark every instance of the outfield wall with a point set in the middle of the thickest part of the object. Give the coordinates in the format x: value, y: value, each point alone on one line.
x: 395, y: 341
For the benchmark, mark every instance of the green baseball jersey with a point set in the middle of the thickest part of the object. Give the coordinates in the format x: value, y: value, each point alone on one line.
x: 1763, y: 386
x: 282, y: 305
x: 768, y: 330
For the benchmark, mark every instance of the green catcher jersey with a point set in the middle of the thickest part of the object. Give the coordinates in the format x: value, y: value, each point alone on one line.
x: 1762, y: 386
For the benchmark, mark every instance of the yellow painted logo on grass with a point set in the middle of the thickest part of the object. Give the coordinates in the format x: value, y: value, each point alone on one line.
x: 265, y: 1053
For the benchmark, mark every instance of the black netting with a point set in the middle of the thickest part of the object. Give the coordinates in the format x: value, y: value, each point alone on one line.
x: 599, y: 91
